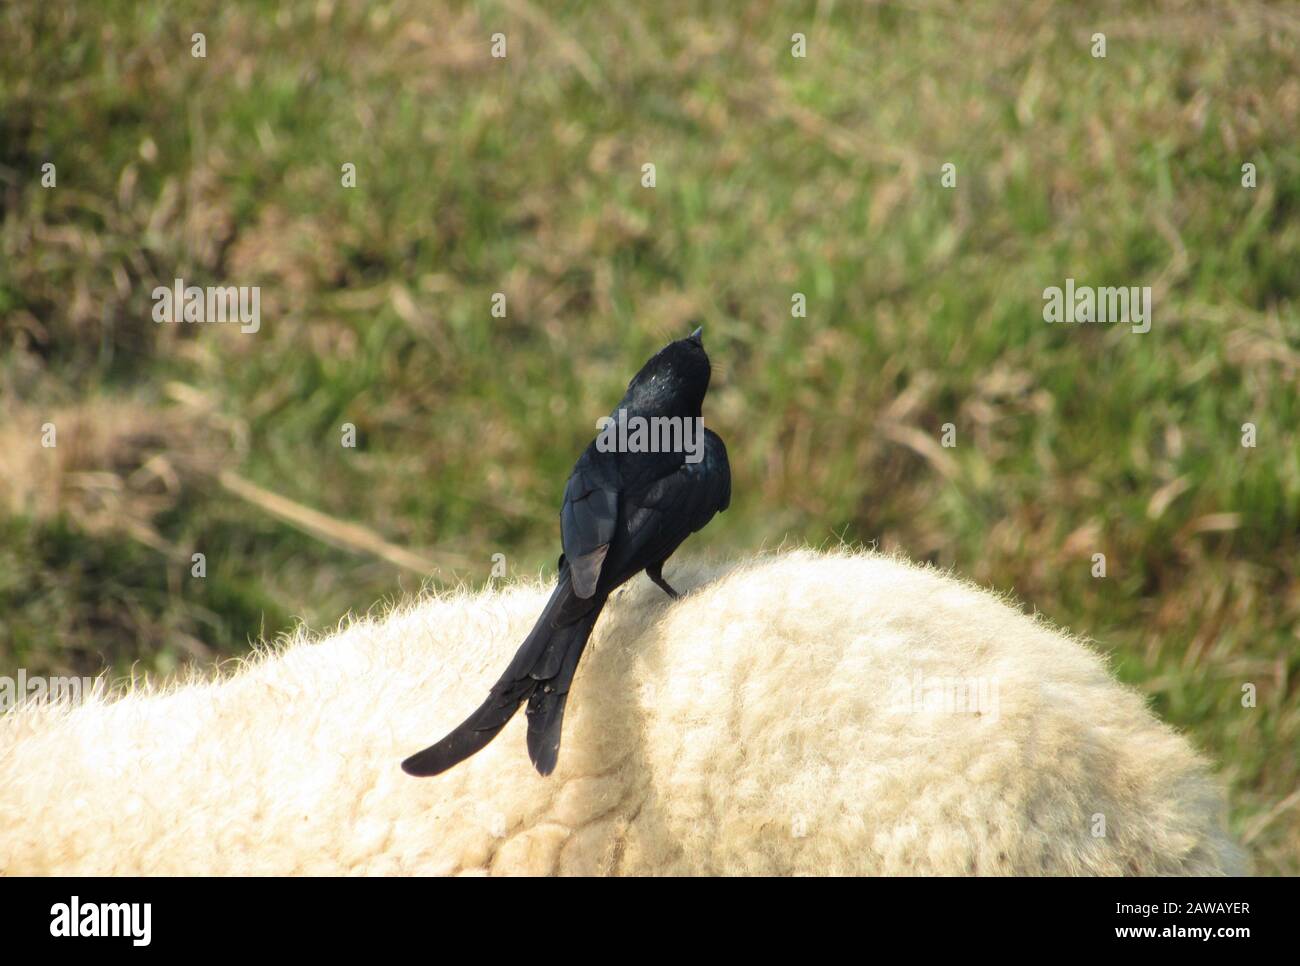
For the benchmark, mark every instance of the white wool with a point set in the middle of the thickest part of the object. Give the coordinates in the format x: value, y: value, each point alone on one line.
x: 762, y: 724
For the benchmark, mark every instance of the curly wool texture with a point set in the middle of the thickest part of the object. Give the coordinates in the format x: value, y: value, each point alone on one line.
x: 786, y: 716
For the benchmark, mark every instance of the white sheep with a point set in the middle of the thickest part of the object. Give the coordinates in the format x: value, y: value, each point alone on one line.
x: 797, y: 713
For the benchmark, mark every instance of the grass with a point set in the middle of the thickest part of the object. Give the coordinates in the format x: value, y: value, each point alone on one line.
x: 775, y: 175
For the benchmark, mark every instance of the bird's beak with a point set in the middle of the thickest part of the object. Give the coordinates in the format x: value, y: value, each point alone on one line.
x: 698, y: 337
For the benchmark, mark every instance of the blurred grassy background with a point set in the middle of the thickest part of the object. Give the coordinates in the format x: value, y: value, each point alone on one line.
x: 775, y: 175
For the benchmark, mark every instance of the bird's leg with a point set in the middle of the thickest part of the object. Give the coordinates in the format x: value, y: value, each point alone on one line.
x: 656, y: 573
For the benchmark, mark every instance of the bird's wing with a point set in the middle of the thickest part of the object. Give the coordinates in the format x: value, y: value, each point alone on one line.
x: 659, y: 516
x: 589, y: 517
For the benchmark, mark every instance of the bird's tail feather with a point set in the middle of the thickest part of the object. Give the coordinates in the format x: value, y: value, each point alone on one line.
x: 546, y: 703
x: 543, y: 666
x: 471, y: 735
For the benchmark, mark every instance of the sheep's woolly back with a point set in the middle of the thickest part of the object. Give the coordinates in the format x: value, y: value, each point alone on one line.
x: 785, y: 716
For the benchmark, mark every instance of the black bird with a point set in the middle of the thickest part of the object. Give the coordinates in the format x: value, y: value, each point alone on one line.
x: 623, y: 512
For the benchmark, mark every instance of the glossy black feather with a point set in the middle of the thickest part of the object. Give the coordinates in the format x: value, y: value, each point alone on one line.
x: 623, y: 512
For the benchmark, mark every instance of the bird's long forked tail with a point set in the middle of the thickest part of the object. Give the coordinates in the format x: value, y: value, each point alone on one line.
x: 541, y: 673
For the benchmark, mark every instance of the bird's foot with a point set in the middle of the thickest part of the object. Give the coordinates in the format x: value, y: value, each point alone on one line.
x: 656, y: 574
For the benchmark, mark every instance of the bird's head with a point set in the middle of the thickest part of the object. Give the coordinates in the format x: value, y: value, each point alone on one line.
x: 674, y: 381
